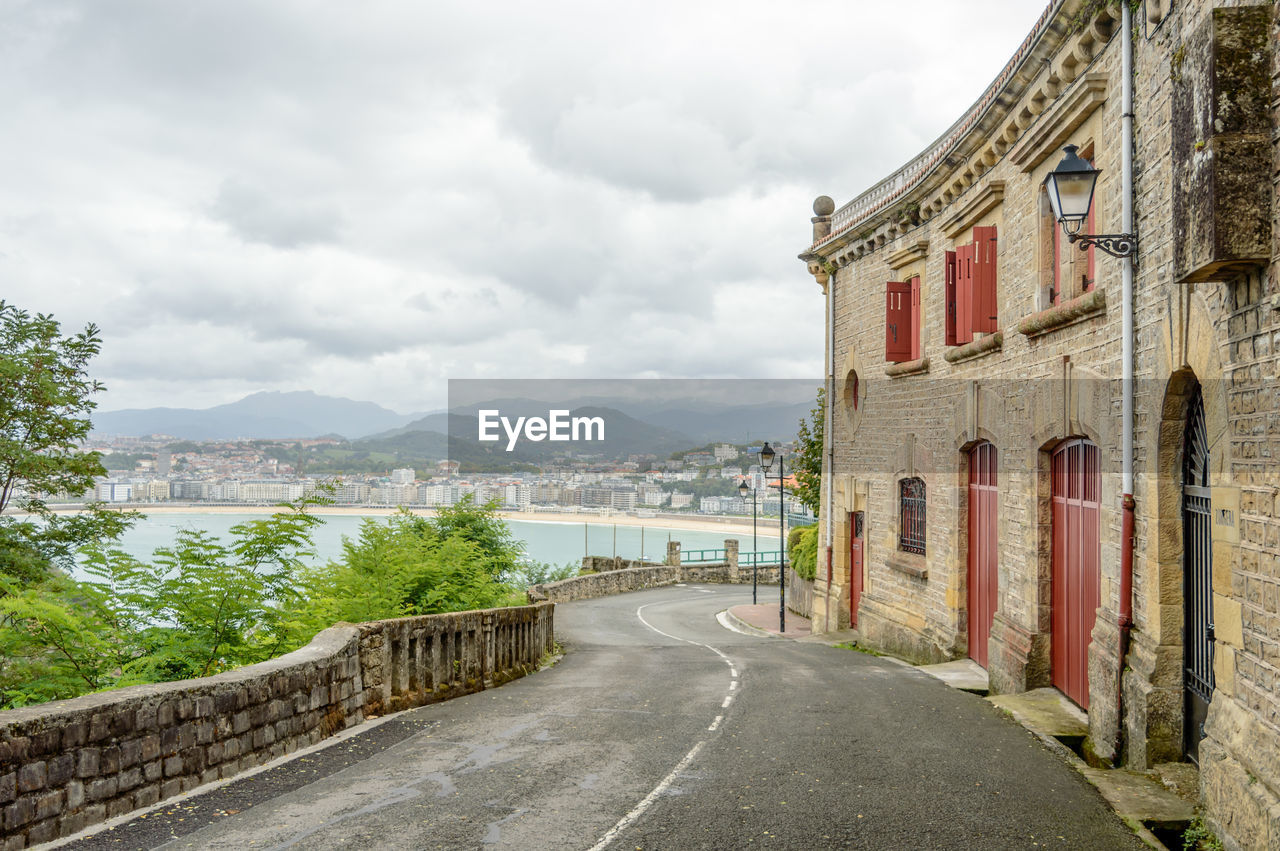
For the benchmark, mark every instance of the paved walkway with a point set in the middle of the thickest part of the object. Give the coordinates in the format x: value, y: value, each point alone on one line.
x: 764, y: 617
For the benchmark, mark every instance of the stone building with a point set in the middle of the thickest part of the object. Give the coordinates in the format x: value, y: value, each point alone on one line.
x: 975, y: 469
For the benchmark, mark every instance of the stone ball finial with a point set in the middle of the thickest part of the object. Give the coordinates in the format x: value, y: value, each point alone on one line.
x: 823, y: 206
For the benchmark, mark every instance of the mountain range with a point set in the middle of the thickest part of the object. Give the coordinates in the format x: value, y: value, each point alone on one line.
x: 267, y: 415
x: 635, y: 427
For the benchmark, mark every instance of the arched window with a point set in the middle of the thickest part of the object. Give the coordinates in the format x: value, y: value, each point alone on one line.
x: 911, y: 510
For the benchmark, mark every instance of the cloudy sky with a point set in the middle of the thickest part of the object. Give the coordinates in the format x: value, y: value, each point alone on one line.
x: 367, y: 199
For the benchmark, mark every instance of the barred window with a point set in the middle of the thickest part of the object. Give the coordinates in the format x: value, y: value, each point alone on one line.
x: 911, y: 505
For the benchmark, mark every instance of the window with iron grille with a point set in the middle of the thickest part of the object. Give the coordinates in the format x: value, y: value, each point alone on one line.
x: 911, y: 504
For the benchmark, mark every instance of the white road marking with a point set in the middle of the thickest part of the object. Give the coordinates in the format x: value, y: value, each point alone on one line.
x: 631, y: 817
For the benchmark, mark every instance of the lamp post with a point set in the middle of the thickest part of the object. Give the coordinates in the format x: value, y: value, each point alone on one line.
x: 755, y: 557
x: 767, y: 454
x: 1070, y: 187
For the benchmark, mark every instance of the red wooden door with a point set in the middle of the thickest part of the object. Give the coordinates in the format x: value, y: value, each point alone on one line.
x: 983, y: 559
x: 1077, y: 486
x: 855, y: 565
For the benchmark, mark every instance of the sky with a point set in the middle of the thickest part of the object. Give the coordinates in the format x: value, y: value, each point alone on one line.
x: 368, y: 199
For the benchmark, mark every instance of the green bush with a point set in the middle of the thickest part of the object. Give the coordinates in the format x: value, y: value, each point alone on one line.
x: 802, y: 549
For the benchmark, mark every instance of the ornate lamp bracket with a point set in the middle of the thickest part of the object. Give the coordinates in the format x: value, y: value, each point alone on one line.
x: 1115, y: 244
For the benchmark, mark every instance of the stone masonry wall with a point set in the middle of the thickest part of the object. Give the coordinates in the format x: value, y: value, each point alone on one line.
x: 70, y: 764
x: 639, y: 578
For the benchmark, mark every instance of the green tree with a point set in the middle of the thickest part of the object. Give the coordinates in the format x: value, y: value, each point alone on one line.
x: 808, y: 458
x: 46, y: 396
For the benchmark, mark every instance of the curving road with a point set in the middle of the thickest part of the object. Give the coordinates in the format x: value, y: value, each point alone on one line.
x: 662, y: 729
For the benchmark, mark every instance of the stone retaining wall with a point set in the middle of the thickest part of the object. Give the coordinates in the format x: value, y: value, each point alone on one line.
x: 799, y: 594
x: 639, y: 578
x: 69, y: 764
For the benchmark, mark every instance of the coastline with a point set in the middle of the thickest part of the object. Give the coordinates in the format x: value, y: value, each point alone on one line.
x: 732, y: 526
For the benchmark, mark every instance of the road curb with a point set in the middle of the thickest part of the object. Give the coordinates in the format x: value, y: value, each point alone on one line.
x: 731, y: 621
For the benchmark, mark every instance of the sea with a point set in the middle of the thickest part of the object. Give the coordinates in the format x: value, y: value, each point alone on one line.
x: 552, y: 541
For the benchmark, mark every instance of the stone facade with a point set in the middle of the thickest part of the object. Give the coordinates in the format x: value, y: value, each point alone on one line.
x: 70, y: 764
x: 1206, y: 322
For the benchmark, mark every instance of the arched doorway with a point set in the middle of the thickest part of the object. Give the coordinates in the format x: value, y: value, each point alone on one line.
x: 1197, y: 578
x: 856, y: 538
x: 1077, y: 575
x: 983, y: 548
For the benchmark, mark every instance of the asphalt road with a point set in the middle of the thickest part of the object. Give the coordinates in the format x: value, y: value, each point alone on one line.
x: 660, y: 729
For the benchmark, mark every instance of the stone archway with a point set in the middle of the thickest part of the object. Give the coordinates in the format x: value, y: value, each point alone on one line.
x: 1153, y: 682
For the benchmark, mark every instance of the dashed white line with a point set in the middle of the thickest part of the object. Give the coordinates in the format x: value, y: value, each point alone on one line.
x: 630, y: 818
x: 639, y: 809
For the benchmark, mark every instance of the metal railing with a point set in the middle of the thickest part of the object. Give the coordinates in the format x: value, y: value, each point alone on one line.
x: 703, y: 556
x: 769, y: 557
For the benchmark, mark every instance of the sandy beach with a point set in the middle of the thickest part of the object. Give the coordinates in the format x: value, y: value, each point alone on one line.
x: 729, y: 525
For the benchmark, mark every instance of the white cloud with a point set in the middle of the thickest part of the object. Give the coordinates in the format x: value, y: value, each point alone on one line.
x: 367, y: 201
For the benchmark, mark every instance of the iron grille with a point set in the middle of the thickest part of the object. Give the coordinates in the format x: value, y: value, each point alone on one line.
x: 912, y: 509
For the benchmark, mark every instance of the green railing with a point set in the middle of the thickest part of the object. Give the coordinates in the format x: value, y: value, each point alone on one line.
x: 764, y: 557
x: 702, y: 556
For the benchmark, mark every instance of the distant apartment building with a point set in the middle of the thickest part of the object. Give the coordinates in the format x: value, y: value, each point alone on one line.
x: 681, y: 500
x: 724, y: 452
x: 351, y: 493
x: 517, y: 495
x: 272, y: 491
x: 390, y: 494
x: 730, y: 472
x: 113, y: 491
x: 403, y: 476
x: 700, y: 459
x: 437, y: 495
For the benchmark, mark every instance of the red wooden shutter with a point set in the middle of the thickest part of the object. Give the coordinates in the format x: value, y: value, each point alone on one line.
x: 985, y: 313
x: 950, y: 278
x: 916, y: 310
x: 964, y: 294
x: 897, y: 321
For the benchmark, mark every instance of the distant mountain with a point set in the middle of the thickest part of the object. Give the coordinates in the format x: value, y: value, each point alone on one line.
x: 747, y: 423
x: 267, y: 415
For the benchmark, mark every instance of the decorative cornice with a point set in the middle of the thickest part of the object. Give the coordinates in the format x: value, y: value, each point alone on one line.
x: 909, y: 367
x: 990, y: 196
x: 1056, y: 126
x: 982, y: 346
x: 1067, y: 313
x: 917, y: 250
x: 1057, y: 52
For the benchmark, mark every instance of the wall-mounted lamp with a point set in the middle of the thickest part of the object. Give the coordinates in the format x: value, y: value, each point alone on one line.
x: 1070, y: 188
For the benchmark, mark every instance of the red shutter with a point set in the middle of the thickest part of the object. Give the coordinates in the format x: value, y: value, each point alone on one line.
x: 897, y: 322
x: 985, y: 313
x: 950, y: 278
x: 964, y: 294
x: 915, y: 317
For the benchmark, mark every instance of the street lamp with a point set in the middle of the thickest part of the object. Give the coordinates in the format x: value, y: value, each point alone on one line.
x: 755, y: 558
x: 1070, y: 187
x: 767, y: 454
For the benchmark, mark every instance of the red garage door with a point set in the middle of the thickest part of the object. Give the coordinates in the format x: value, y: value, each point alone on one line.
x: 1077, y: 486
x: 982, y: 548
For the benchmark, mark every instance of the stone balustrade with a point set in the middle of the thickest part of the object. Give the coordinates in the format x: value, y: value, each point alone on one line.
x: 69, y: 764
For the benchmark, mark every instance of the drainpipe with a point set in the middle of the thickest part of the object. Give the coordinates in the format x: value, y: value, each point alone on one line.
x: 823, y: 207
x: 1126, y: 279
x: 828, y: 432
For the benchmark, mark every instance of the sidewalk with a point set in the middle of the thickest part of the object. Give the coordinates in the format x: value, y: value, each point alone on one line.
x: 763, y: 618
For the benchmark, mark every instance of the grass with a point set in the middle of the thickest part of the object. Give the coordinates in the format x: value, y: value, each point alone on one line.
x: 852, y: 645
